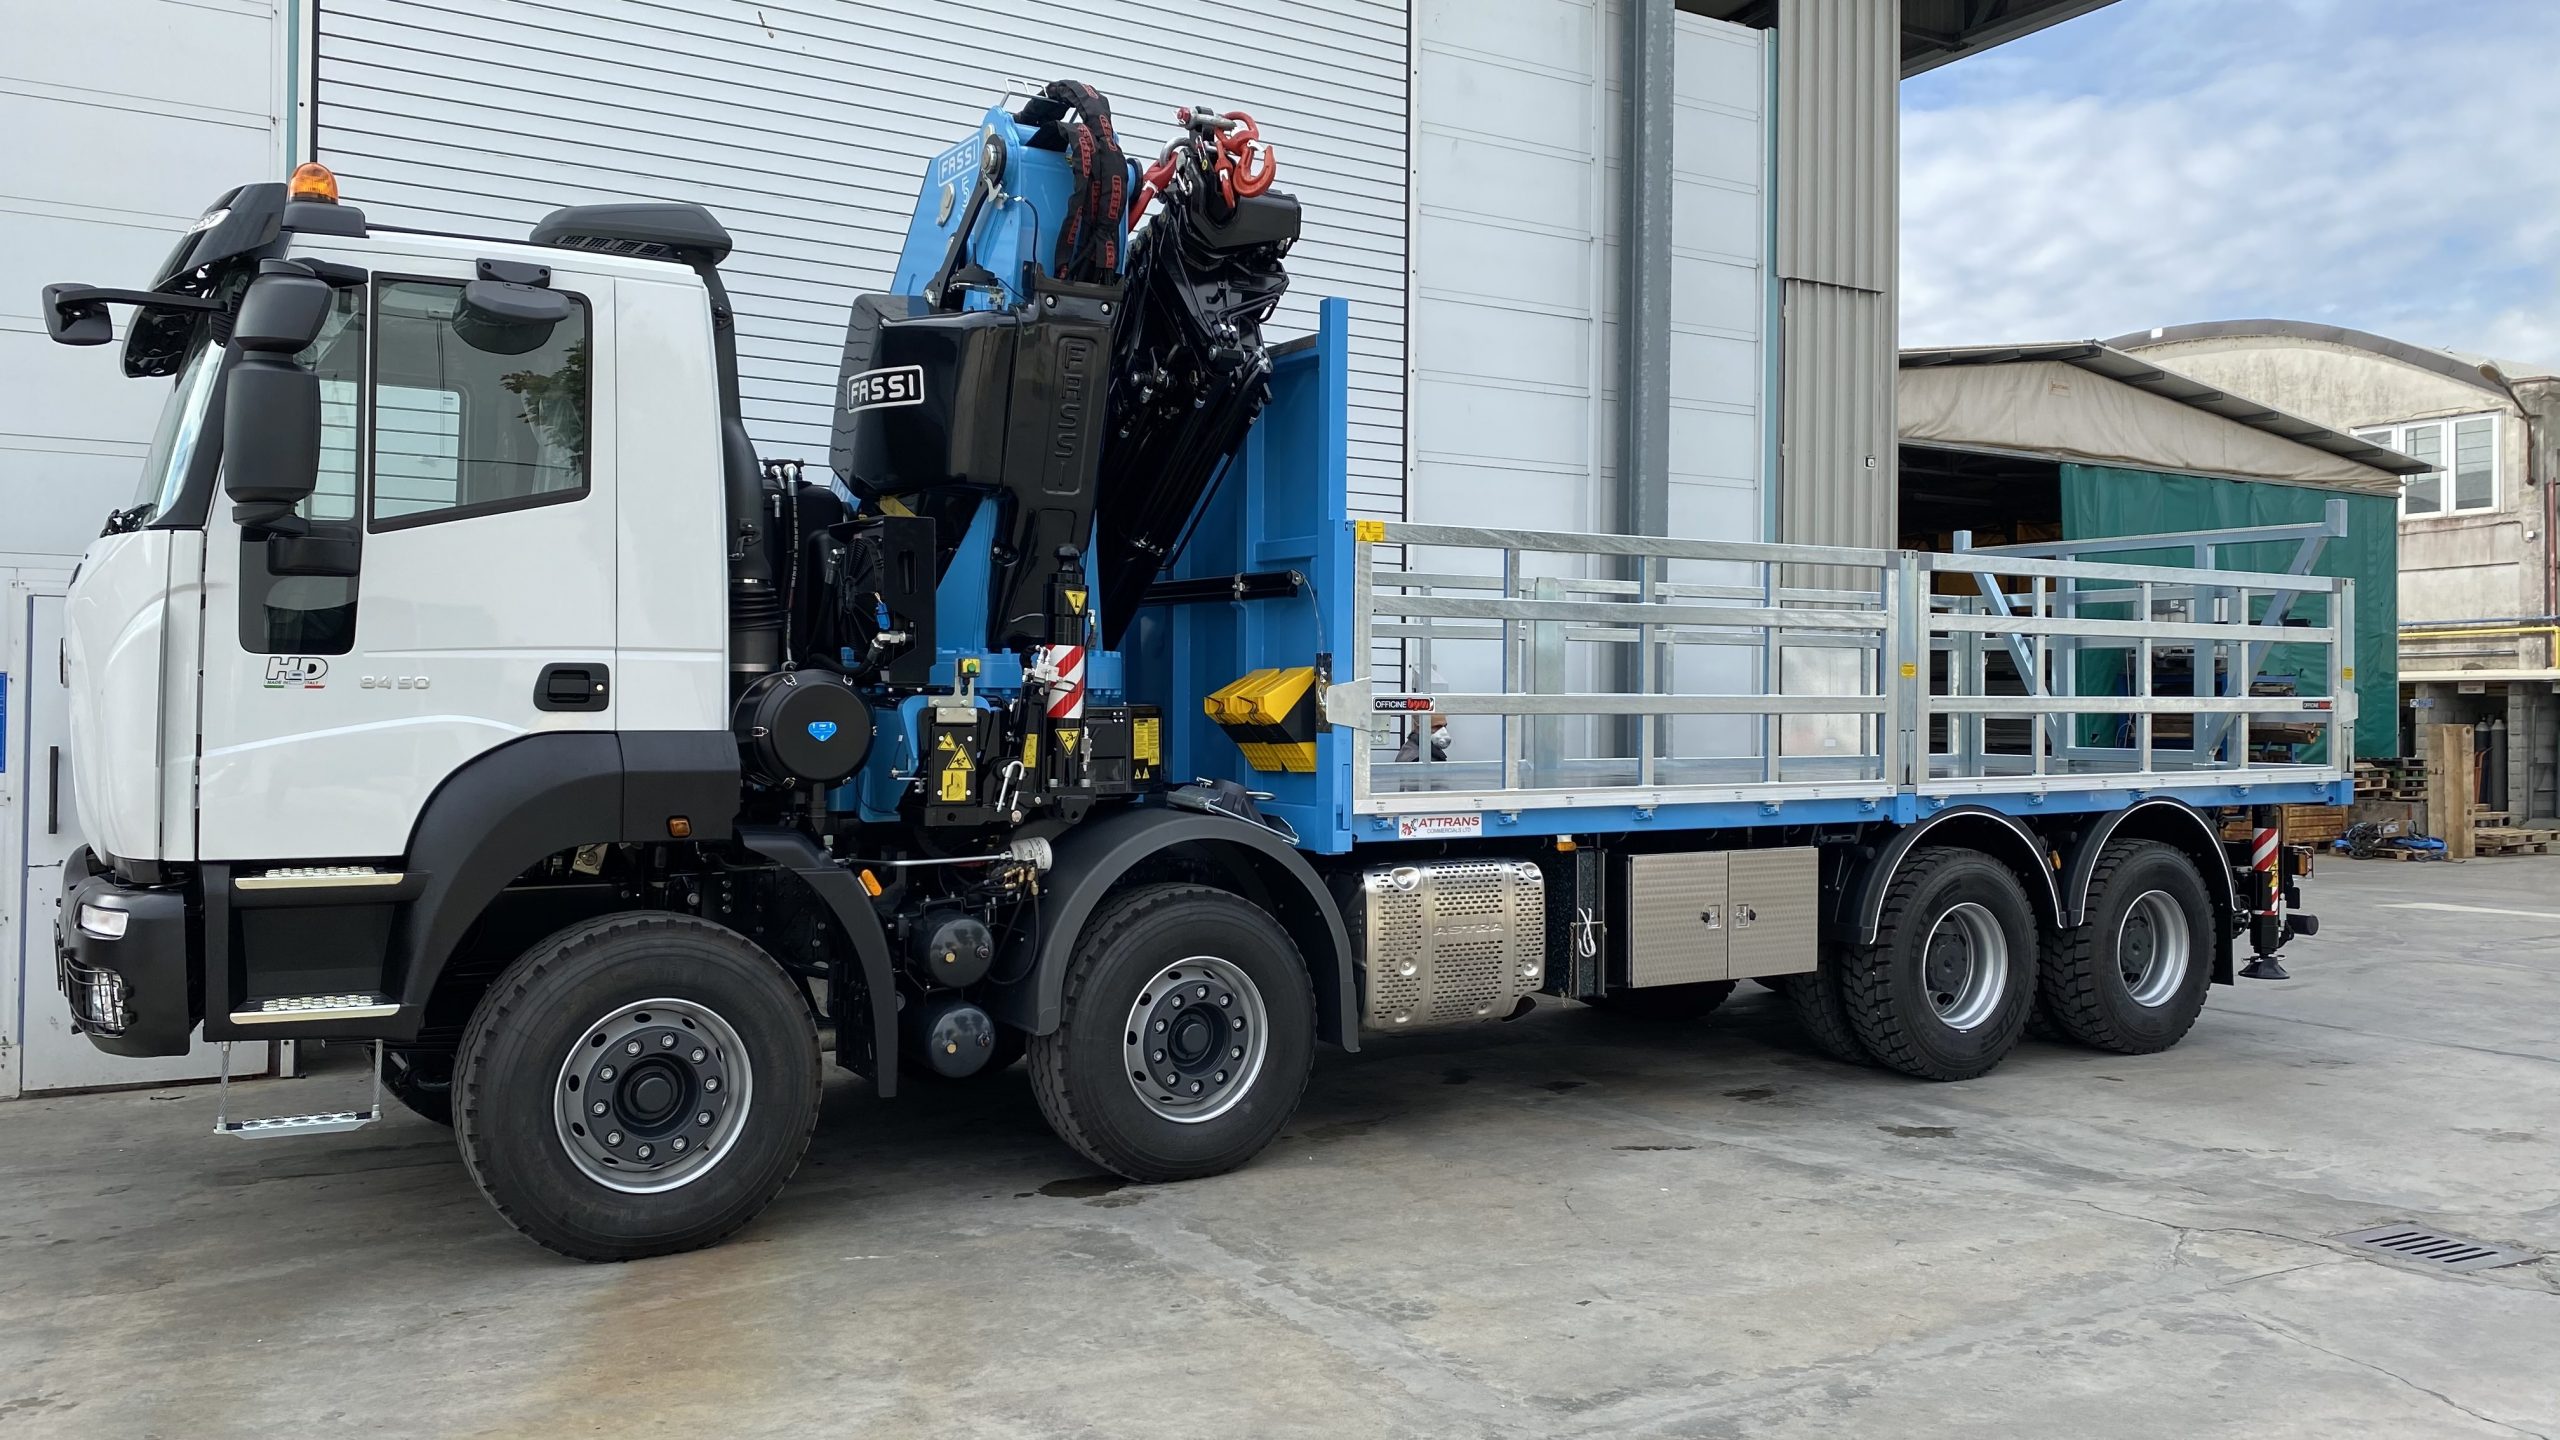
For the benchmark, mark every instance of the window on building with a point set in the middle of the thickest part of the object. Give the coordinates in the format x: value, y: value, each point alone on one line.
x: 2462, y: 456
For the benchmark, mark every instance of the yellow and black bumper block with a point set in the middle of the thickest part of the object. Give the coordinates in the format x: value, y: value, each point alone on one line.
x: 1271, y: 715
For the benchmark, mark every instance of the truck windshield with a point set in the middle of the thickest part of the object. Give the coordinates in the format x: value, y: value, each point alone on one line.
x: 182, y: 422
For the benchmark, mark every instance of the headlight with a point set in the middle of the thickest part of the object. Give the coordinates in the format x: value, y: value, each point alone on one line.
x: 102, y: 922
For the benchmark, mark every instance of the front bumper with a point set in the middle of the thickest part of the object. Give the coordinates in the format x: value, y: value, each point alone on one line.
x: 136, y: 992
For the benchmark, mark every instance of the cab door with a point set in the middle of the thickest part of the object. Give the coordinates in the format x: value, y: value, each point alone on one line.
x: 466, y: 459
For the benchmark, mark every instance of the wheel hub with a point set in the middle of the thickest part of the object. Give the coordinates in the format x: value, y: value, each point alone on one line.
x: 1964, y: 963
x: 653, y: 1095
x: 1195, y: 1039
x: 2153, y: 949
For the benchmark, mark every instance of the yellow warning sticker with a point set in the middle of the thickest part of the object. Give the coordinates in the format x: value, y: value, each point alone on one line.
x: 1910, y: 671
x: 1067, y: 739
x: 1146, y: 740
x: 1371, y: 531
x: 1075, y: 601
x: 955, y: 780
x: 1031, y: 752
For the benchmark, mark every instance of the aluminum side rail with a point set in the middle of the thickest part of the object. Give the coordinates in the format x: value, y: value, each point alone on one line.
x: 1766, y: 675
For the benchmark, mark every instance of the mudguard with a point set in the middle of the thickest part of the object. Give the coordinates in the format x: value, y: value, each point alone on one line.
x: 2010, y: 838
x: 843, y: 896
x: 2173, y: 822
x: 1095, y: 856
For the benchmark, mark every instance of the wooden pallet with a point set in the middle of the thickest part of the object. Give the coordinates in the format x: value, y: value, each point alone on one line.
x: 2502, y: 840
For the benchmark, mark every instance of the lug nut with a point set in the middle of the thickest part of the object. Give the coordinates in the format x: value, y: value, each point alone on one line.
x: 1202, y: 992
x: 605, y: 1074
x: 1159, y: 1027
x: 1177, y: 1002
x: 1195, y: 1087
x: 677, y: 1143
x: 633, y: 1048
x: 1226, y: 999
x: 613, y: 1138
x: 1157, y: 1057
x: 1220, y: 1077
x: 666, y: 1042
x: 702, y: 1119
x: 597, y: 1108
x: 1172, y: 1079
x: 646, y: 1152
x: 711, y: 1082
x: 1235, y: 1052
x: 698, y: 1054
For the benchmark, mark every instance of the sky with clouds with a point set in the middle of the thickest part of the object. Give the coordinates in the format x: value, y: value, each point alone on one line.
x: 2392, y: 165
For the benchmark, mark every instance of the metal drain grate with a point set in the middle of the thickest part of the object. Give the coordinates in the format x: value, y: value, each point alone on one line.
x: 2433, y: 1248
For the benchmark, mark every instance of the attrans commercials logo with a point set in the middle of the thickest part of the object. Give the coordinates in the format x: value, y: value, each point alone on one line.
x: 296, y: 672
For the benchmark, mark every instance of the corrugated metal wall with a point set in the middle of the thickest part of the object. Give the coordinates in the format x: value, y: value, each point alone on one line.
x: 1518, y: 171
x: 805, y: 125
x: 1838, y: 215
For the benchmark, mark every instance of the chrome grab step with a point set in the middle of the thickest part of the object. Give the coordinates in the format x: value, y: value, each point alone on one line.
x: 327, y: 1122
x: 320, y: 877
x: 291, y: 1009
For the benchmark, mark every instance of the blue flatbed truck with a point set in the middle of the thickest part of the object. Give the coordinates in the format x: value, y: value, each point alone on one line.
x: 464, y: 683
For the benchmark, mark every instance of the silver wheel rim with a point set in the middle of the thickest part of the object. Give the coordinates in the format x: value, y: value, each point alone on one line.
x: 653, y: 1095
x: 1194, y: 1041
x: 2153, y: 948
x: 1964, y: 964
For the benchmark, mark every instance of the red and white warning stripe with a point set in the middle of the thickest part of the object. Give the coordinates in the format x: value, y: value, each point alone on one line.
x: 1065, y: 663
x: 2262, y: 858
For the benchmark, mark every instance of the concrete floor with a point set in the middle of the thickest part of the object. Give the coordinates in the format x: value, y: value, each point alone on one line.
x: 1561, y: 1227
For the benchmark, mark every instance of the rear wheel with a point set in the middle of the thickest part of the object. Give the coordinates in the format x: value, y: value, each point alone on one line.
x: 636, y: 1085
x: 1944, y: 992
x: 1186, y: 1035
x: 1819, y: 1007
x: 2132, y: 978
x: 1666, y: 1003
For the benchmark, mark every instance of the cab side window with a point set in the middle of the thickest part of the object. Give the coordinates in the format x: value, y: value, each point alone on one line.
x: 472, y: 417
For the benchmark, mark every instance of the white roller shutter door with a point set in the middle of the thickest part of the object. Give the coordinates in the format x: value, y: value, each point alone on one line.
x: 805, y: 126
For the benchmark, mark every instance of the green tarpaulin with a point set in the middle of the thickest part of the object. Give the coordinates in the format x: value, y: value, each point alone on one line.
x: 2102, y: 502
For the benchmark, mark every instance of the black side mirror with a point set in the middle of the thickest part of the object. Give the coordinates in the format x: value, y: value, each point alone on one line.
x: 271, y: 408
x: 503, y: 319
x: 72, y: 319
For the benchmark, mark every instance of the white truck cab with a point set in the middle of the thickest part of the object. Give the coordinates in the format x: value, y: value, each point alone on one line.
x: 537, y: 554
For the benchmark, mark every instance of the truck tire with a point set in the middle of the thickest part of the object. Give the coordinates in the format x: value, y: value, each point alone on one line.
x: 421, y: 1080
x: 701, y: 1052
x: 1944, y: 992
x: 1666, y: 1003
x: 1819, y: 1007
x: 1185, y: 1038
x: 2133, y: 977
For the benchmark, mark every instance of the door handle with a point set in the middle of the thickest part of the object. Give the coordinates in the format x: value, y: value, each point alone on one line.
x: 572, y: 687
x: 53, y: 789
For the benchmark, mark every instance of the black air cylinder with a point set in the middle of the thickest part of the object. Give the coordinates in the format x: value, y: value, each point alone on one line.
x: 950, y: 948
x: 950, y: 1036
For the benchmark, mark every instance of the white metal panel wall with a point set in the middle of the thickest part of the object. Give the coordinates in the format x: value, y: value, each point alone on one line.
x: 805, y: 126
x: 1515, y: 254
x: 125, y: 119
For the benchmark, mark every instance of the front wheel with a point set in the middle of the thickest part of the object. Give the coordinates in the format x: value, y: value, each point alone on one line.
x: 1186, y: 1035
x: 636, y: 1085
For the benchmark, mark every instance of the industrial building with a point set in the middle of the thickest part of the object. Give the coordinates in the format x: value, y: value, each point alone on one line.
x: 1616, y: 267
x: 2068, y: 447
x: 2478, y: 640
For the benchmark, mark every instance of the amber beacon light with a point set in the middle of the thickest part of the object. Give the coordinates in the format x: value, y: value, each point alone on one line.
x: 312, y: 181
